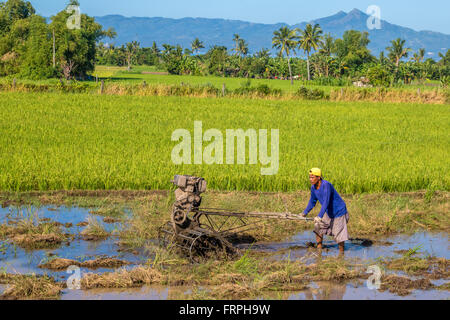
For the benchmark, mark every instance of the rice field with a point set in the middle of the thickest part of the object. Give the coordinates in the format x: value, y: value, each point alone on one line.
x: 54, y: 141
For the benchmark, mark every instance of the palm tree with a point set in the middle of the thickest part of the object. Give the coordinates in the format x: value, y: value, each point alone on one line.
x: 310, y: 39
x: 242, y: 49
x: 382, y: 58
x: 196, y: 45
x: 236, y: 39
x: 262, y: 54
x: 155, y: 50
x: 397, y: 51
x: 326, y: 49
x: 131, y: 50
x: 419, y: 56
x: 285, y: 40
x: 422, y: 54
x: 444, y: 58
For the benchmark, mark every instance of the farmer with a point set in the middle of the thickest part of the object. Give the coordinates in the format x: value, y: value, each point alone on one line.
x: 333, y: 216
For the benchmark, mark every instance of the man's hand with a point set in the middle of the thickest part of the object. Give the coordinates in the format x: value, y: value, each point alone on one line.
x: 318, y: 220
x: 304, y: 215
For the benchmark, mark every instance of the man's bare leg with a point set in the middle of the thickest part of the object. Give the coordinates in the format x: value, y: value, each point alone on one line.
x: 319, y: 242
x: 342, y: 248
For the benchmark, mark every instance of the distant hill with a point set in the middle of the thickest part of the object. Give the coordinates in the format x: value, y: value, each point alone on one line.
x: 258, y: 35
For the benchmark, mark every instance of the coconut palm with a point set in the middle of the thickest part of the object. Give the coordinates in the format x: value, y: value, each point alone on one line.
x: 310, y: 39
x: 262, y: 54
x: 242, y: 49
x: 131, y: 50
x: 397, y: 51
x: 236, y: 39
x: 285, y: 40
x: 327, y: 45
x: 155, y: 50
x: 196, y: 45
x: 422, y: 54
x: 419, y: 56
x: 326, y: 49
x: 445, y: 58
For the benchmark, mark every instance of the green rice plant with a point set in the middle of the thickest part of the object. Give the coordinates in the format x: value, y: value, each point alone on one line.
x: 55, y: 141
x: 246, y: 265
x: 413, y: 251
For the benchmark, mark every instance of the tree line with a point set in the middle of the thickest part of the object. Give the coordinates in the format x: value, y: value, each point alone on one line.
x: 31, y: 47
x: 328, y: 60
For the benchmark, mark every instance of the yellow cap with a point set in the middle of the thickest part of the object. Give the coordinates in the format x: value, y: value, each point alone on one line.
x: 316, y: 172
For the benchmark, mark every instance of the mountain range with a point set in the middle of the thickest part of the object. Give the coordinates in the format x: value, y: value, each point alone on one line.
x: 259, y: 35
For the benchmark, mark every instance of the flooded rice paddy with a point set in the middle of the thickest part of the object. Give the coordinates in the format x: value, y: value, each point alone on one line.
x: 15, y: 259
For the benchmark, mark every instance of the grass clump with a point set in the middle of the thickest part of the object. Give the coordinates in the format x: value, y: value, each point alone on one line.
x: 311, y: 94
x: 445, y: 286
x: 426, y: 266
x: 403, y: 286
x: 136, y: 277
x: 333, y: 269
x: 246, y: 265
x: 95, y: 231
x: 33, y: 287
x: 59, y: 264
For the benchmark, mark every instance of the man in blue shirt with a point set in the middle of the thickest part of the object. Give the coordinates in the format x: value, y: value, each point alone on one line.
x: 333, y: 216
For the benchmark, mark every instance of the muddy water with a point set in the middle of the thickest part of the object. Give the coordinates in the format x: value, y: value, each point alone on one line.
x: 16, y: 260
x: 434, y: 244
x: 332, y: 291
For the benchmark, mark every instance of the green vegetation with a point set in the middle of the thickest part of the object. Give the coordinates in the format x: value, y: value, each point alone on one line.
x: 329, y: 61
x: 57, y: 141
x: 31, y: 48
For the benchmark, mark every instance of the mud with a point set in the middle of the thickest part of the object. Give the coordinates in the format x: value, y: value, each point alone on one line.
x: 93, y: 237
x: 82, y: 224
x: 110, y: 220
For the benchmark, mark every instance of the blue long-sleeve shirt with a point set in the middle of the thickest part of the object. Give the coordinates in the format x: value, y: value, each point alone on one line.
x: 331, y: 201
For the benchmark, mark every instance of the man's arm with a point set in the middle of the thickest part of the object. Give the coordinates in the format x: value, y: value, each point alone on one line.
x: 311, y: 204
x: 326, y: 202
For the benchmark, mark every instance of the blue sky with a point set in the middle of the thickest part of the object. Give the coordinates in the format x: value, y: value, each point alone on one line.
x: 416, y: 14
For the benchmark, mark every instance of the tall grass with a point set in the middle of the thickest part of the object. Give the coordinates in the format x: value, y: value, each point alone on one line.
x: 53, y: 141
x: 259, y: 89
